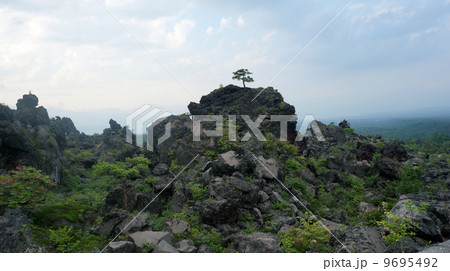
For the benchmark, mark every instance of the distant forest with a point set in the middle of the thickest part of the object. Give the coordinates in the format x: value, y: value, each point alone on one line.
x: 404, y: 129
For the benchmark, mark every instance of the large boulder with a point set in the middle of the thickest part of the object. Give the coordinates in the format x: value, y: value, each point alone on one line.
x: 132, y: 224
x: 394, y: 150
x: 121, y: 247
x: 438, y: 248
x: 186, y: 246
x: 15, y: 235
x: 404, y: 245
x: 234, y: 100
x: 425, y: 222
x: 257, y: 242
x: 215, y: 212
x: 164, y: 247
x: 267, y: 169
x: 362, y: 239
x: 141, y: 238
x: 176, y: 226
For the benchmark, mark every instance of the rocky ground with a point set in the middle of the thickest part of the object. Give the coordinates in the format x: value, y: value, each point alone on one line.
x: 349, y: 193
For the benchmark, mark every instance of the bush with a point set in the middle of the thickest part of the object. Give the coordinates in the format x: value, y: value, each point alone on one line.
x: 310, y: 236
x: 395, y: 226
x: 66, y: 239
x: 292, y: 164
x: 409, y: 180
x: 299, y: 185
x: 198, y: 192
x: 24, y: 188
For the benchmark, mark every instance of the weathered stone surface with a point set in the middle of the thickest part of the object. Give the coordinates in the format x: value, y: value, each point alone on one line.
x: 363, y: 239
x: 164, y: 247
x: 186, y: 246
x: 121, y: 247
x: 254, y: 243
x: 267, y: 169
x: 205, y: 249
x: 160, y: 170
x: 138, y: 223
x: 15, y: 236
x: 227, y: 163
x: 176, y: 225
x: 404, y: 245
x: 141, y: 238
x: 214, y: 212
x: 443, y: 247
x: 110, y: 221
x: 426, y: 222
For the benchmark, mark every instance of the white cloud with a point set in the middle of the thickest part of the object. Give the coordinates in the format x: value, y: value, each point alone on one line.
x: 416, y: 35
x: 268, y: 36
x: 209, y: 30
x: 377, y: 11
x: 180, y: 31
x: 224, y: 22
x: 240, y: 21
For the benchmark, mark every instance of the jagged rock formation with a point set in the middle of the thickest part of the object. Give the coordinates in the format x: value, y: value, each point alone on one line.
x: 26, y: 138
x: 235, y: 196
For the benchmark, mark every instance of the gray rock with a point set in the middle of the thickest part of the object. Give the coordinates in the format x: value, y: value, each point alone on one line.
x: 228, y: 162
x: 438, y: 248
x: 160, y: 170
x: 134, y: 226
x: 186, y: 246
x: 263, y: 197
x: 110, y: 221
x: 387, y: 168
x: 121, y: 247
x: 205, y: 249
x: 164, y: 247
x: 404, y: 245
x: 141, y: 238
x: 176, y: 225
x: 426, y: 222
x: 267, y: 169
x: 15, y: 236
x: 215, y: 212
x: 254, y: 243
x: 363, y: 239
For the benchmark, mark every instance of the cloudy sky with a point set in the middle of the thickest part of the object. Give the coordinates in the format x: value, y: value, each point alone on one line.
x: 377, y: 56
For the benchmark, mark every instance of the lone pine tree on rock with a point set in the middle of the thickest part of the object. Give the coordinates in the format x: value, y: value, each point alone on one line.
x: 242, y: 74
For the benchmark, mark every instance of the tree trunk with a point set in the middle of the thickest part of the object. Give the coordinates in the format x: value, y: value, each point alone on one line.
x: 243, y: 83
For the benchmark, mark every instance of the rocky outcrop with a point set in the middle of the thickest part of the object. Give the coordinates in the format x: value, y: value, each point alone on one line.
x: 26, y: 139
x: 234, y: 100
x: 15, y: 234
x: 254, y: 243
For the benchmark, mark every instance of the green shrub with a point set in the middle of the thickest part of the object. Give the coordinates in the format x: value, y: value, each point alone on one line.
x: 309, y: 236
x: 395, y: 226
x: 379, y: 145
x: 24, y: 188
x: 409, y: 180
x: 299, y: 185
x: 66, y: 239
x: 349, y: 131
x: 198, y: 192
x: 292, y: 164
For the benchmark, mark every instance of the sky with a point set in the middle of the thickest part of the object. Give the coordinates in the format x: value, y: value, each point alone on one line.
x: 96, y: 59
